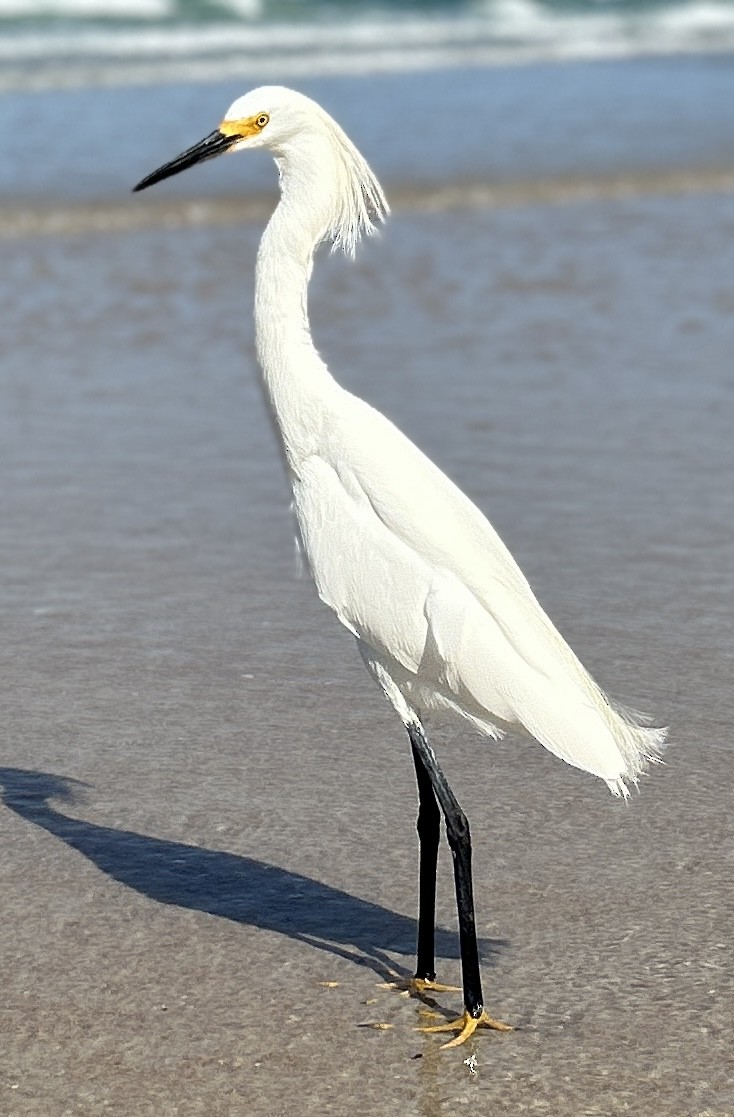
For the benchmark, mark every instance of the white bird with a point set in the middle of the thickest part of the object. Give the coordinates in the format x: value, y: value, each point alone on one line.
x: 444, y: 618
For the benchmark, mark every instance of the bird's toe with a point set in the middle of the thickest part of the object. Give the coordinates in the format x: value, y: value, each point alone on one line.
x: 467, y: 1025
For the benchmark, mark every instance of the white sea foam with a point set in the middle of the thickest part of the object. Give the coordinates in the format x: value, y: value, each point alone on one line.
x: 88, y: 9
x: 502, y: 32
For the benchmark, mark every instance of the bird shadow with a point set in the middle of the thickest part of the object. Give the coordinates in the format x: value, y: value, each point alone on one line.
x: 228, y: 885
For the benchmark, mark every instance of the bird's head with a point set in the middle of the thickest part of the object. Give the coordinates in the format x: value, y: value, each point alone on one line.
x: 263, y: 117
x: 300, y: 133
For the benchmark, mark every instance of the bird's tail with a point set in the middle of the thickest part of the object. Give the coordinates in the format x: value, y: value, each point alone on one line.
x: 639, y: 744
x: 582, y: 726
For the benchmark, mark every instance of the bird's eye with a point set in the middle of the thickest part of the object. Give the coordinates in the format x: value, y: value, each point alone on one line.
x: 262, y: 120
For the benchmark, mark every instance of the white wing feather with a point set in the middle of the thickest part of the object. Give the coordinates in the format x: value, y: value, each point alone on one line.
x: 415, y: 570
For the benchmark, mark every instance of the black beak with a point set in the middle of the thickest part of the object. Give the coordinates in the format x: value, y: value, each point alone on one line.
x: 214, y: 144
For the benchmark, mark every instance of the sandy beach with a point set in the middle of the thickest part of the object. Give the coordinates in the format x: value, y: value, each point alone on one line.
x: 209, y: 857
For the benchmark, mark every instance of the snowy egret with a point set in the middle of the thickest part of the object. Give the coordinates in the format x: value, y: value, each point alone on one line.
x: 444, y: 618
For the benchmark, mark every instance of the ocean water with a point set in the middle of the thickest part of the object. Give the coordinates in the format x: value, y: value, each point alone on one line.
x: 524, y: 89
x: 49, y: 44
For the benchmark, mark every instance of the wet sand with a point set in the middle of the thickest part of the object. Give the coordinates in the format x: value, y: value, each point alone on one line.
x: 241, y: 835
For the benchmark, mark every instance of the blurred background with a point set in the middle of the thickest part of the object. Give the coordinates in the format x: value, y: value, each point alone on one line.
x: 56, y: 43
x: 517, y: 88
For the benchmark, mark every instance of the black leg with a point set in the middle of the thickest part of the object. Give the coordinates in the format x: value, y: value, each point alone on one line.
x: 457, y: 831
x: 429, y: 833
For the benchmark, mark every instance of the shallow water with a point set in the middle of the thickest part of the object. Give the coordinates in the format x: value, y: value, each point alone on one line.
x: 453, y: 126
x: 246, y: 832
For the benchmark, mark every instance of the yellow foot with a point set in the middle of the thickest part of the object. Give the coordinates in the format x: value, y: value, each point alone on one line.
x: 418, y: 986
x: 467, y: 1025
x: 423, y: 985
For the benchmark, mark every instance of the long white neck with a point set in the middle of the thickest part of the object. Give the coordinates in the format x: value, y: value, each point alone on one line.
x: 297, y: 382
x: 327, y: 190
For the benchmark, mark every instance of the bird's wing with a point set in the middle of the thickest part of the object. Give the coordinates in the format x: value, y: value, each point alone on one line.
x: 424, y: 618
x: 414, y: 569
x: 380, y: 523
x: 420, y: 506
